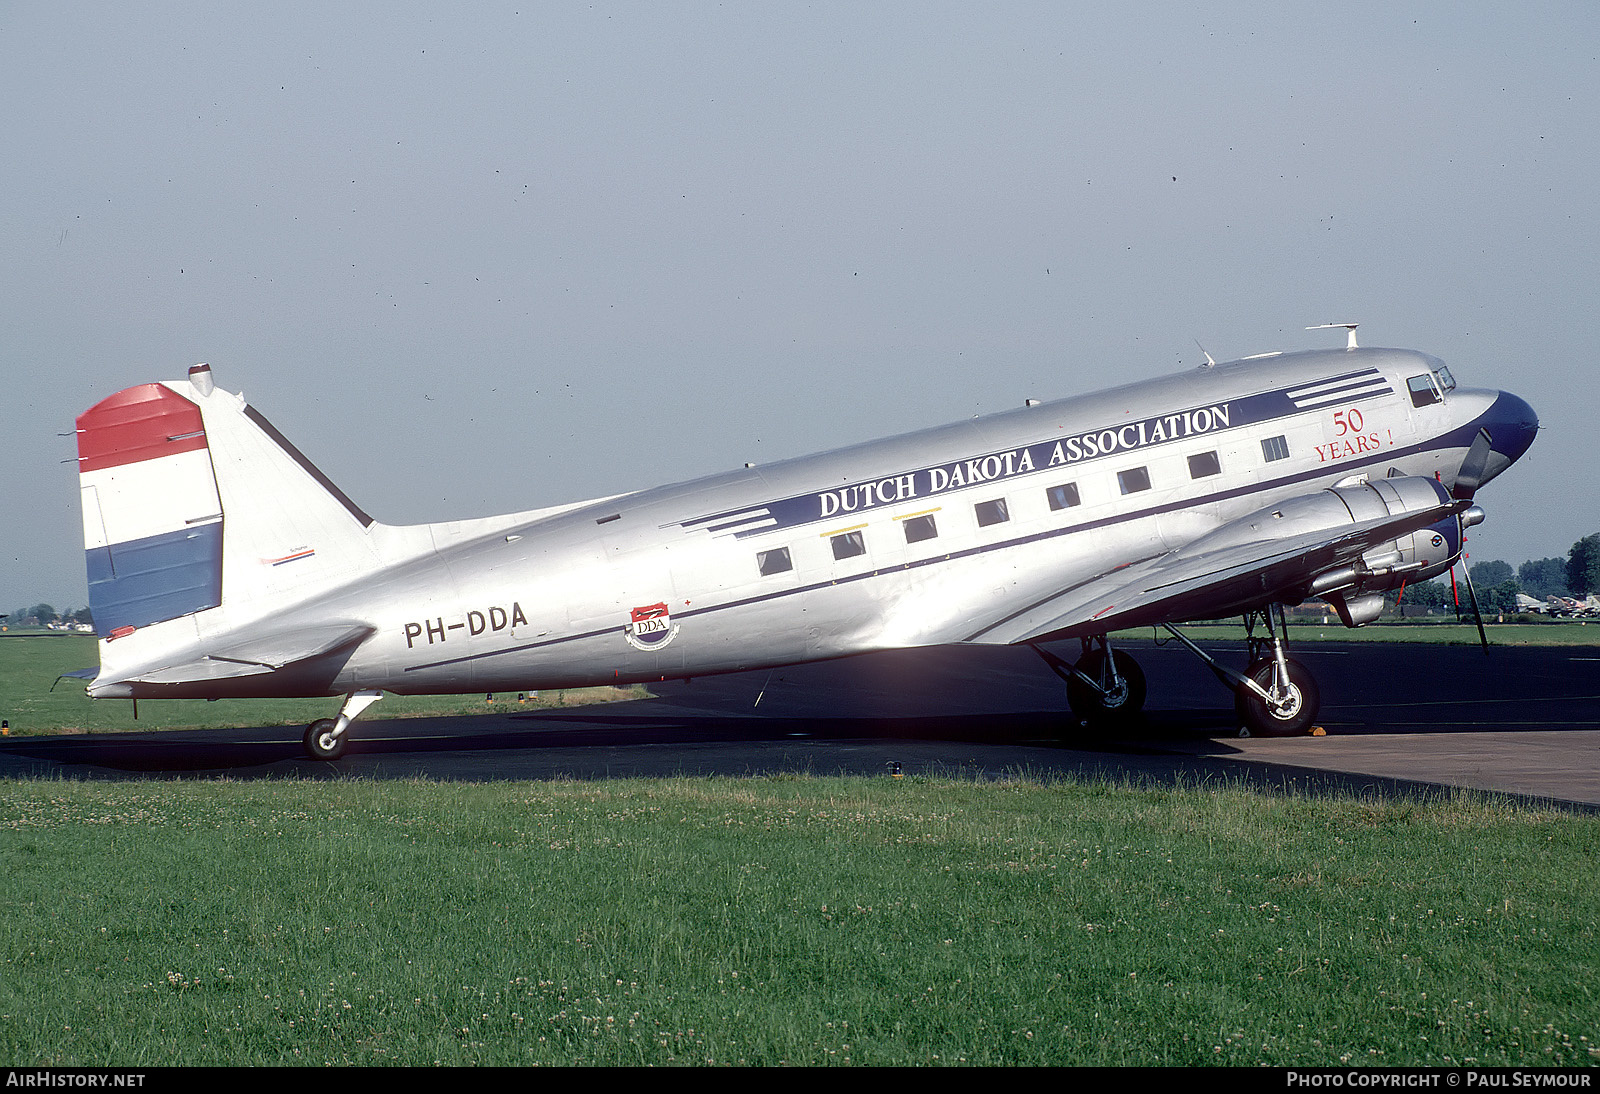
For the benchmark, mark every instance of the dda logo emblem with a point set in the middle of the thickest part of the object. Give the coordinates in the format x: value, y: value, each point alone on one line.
x: 650, y: 628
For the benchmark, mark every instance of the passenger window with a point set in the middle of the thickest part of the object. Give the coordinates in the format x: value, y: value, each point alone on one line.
x: 1134, y: 479
x: 991, y: 512
x: 1064, y: 496
x: 1275, y: 448
x: 1423, y: 393
x: 848, y: 545
x: 773, y: 562
x: 1202, y: 464
x: 920, y: 528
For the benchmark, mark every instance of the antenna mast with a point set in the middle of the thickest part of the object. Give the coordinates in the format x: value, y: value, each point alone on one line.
x: 1351, y: 327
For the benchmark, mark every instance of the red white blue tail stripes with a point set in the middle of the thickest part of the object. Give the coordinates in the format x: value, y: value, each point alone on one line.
x: 152, y: 520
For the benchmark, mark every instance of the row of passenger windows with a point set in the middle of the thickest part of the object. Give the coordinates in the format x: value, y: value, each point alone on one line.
x: 1065, y: 496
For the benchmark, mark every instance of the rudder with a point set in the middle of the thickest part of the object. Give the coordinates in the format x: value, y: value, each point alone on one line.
x: 152, y: 518
x: 192, y: 501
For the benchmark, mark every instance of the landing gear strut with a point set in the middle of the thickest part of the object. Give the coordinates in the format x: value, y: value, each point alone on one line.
x: 1275, y: 696
x: 1284, y: 700
x: 326, y: 737
x: 1105, y: 687
x: 1289, y: 703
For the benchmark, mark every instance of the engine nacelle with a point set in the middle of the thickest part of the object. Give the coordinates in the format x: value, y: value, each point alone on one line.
x: 1356, y: 591
x: 1427, y: 552
x: 1353, y: 587
x: 1328, y: 511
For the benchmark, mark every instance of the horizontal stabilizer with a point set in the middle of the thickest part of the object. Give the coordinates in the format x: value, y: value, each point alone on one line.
x: 76, y: 674
x: 262, y: 655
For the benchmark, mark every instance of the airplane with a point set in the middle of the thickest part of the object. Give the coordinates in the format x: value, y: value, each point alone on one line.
x: 1533, y: 606
x: 1558, y: 606
x: 223, y: 563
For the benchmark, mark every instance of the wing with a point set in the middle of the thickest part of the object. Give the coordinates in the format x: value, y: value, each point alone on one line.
x: 1308, y: 545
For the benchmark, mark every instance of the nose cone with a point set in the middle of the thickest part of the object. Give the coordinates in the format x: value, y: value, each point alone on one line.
x: 1512, y: 425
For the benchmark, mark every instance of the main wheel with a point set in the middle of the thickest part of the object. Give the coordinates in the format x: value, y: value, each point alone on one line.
x: 321, y: 744
x: 1294, y: 710
x: 1119, y: 703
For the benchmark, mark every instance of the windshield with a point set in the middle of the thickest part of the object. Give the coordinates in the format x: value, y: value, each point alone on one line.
x: 1423, y: 391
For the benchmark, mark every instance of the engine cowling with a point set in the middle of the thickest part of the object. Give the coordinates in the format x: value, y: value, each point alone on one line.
x: 1356, y: 592
x: 1327, y: 529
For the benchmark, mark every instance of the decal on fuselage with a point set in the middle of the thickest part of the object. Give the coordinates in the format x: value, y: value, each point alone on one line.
x: 650, y: 627
x: 1042, y: 456
x: 474, y: 622
x: 1349, y: 439
x: 293, y: 556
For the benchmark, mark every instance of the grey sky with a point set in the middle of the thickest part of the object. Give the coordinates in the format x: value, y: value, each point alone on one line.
x: 498, y: 256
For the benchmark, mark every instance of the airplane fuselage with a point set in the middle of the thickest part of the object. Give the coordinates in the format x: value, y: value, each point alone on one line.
x: 931, y: 537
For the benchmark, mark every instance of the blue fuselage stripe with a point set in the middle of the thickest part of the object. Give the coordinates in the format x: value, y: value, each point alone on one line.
x: 1256, y: 487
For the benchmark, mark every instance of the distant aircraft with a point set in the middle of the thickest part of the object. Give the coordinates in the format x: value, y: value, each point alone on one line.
x: 1558, y: 605
x: 223, y: 564
x: 1533, y: 606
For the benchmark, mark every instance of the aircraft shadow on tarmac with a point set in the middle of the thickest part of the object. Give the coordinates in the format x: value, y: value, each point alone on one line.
x: 997, y: 699
x: 215, y: 750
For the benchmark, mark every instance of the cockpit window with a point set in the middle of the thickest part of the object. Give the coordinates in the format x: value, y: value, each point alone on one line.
x: 1447, y: 382
x: 1423, y: 393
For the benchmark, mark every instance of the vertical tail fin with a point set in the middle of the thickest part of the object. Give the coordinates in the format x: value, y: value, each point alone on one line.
x: 195, y: 506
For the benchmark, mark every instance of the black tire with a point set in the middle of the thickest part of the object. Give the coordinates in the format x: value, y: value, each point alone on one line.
x: 1290, y: 720
x: 1090, y: 706
x: 320, y: 742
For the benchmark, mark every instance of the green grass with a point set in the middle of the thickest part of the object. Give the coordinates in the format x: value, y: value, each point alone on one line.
x: 29, y: 667
x: 788, y: 920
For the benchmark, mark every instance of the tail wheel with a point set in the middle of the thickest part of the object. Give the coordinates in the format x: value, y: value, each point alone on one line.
x: 1292, y: 709
x: 1120, y: 702
x: 321, y: 743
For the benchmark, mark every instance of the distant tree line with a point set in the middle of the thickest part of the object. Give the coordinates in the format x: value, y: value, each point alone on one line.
x: 42, y: 615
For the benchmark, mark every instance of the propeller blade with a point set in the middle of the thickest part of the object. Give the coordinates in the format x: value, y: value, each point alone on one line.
x: 1477, y: 615
x: 1473, y: 465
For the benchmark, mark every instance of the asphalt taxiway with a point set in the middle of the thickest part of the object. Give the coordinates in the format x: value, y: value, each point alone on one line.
x: 1524, y: 721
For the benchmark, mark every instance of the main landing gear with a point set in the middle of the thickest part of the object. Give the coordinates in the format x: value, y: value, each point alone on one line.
x: 326, y: 737
x: 1105, y: 687
x: 1275, y: 696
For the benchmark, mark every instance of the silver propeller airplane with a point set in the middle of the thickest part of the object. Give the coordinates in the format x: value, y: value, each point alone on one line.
x: 222, y: 563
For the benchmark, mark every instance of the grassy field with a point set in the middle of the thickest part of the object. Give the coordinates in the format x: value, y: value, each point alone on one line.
x: 764, y: 921
x: 29, y: 667
x: 788, y: 920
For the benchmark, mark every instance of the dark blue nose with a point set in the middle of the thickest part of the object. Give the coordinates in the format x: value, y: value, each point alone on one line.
x: 1499, y: 436
x: 1512, y: 426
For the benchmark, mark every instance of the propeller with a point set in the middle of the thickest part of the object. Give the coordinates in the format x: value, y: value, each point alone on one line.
x: 1476, y: 462
x: 1472, y: 595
